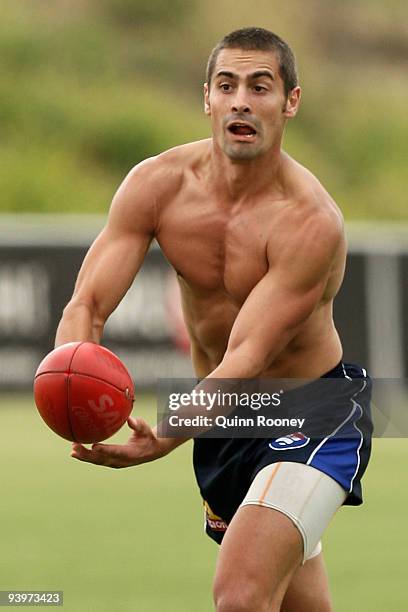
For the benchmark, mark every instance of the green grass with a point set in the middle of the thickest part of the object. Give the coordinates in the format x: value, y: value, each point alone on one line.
x: 132, y: 540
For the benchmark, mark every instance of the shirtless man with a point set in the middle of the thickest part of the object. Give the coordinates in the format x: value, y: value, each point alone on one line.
x: 259, y: 249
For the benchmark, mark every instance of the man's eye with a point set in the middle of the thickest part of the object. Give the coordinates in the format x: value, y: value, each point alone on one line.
x: 225, y: 86
x: 259, y: 88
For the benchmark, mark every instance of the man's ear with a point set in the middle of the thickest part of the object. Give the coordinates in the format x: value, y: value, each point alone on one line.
x: 207, y: 108
x: 292, y: 103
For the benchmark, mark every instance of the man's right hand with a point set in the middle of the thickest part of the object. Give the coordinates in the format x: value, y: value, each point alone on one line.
x: 142, y: 446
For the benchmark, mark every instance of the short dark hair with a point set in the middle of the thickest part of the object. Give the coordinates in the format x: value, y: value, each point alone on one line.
x: 258, y: 39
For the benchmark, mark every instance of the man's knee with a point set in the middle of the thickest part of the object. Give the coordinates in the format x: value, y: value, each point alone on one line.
x: 244, y: 597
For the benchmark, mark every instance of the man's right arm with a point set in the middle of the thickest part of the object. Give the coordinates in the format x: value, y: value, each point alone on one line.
x: 113, y: 259
x: 107, y: 272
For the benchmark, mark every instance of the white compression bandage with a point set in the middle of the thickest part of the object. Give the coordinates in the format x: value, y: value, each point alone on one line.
x: 307, y: 496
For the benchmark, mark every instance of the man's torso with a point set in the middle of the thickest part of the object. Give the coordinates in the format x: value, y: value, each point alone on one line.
x: 221, y: 248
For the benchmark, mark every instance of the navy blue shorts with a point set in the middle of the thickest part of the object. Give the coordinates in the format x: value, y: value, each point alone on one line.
x: 225, y: 467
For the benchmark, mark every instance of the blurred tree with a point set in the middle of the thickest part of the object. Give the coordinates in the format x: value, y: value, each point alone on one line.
x: 90, y: 87
x: 142, y: 13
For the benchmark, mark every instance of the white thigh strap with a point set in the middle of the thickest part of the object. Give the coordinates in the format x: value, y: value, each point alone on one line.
x: 307, y: 496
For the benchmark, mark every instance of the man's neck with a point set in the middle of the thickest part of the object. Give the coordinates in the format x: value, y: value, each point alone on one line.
x: 235, y: 180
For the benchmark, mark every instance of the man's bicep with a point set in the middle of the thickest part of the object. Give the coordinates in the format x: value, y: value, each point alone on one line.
x: 118, y: 252
x: 133, y: 208
x: 108, y: 270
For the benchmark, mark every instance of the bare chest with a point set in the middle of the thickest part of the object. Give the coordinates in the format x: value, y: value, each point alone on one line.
x: 215, y: 249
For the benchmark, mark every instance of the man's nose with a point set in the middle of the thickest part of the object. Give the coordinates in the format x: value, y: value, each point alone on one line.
x: 240, y: 102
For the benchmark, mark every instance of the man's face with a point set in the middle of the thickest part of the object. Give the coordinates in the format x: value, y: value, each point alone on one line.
x: 247, y: 103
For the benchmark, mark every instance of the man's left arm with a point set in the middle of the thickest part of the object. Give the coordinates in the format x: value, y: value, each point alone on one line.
x: 282, y: 300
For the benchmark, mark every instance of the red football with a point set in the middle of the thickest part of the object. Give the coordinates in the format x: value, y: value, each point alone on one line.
x: 83, y: 392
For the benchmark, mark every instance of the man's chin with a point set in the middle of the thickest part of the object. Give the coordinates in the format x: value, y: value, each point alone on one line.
x: 241, y: 152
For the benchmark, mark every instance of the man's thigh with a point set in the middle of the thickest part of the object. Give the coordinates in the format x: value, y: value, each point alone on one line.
x: 307, y: 496
x: 253, y: 575
x: 277, y: 528
x: 258, y: 557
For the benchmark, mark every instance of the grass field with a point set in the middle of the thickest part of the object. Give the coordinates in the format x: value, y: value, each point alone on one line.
x: 132, y: 540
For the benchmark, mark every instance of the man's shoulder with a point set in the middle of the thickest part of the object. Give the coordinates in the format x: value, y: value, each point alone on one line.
x: 154, y: 182
x: 310, y: 223
x: 166, y: 171
x: 186, y: 153
x: 312, y: 201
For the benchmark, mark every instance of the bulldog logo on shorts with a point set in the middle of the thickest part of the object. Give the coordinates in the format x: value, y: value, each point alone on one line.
x: 289, y: 442
x: 216, y: 523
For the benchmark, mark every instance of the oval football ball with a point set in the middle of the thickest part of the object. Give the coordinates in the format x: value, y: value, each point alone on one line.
x: 83, y: 392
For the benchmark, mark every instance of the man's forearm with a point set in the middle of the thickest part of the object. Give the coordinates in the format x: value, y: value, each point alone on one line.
x: 169, y: 444
x: 78, y: 324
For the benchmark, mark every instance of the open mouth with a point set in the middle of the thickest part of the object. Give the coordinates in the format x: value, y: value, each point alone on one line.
x: 241, y: 129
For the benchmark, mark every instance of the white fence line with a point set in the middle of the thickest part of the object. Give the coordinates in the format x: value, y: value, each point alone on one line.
x: 80, y: 230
